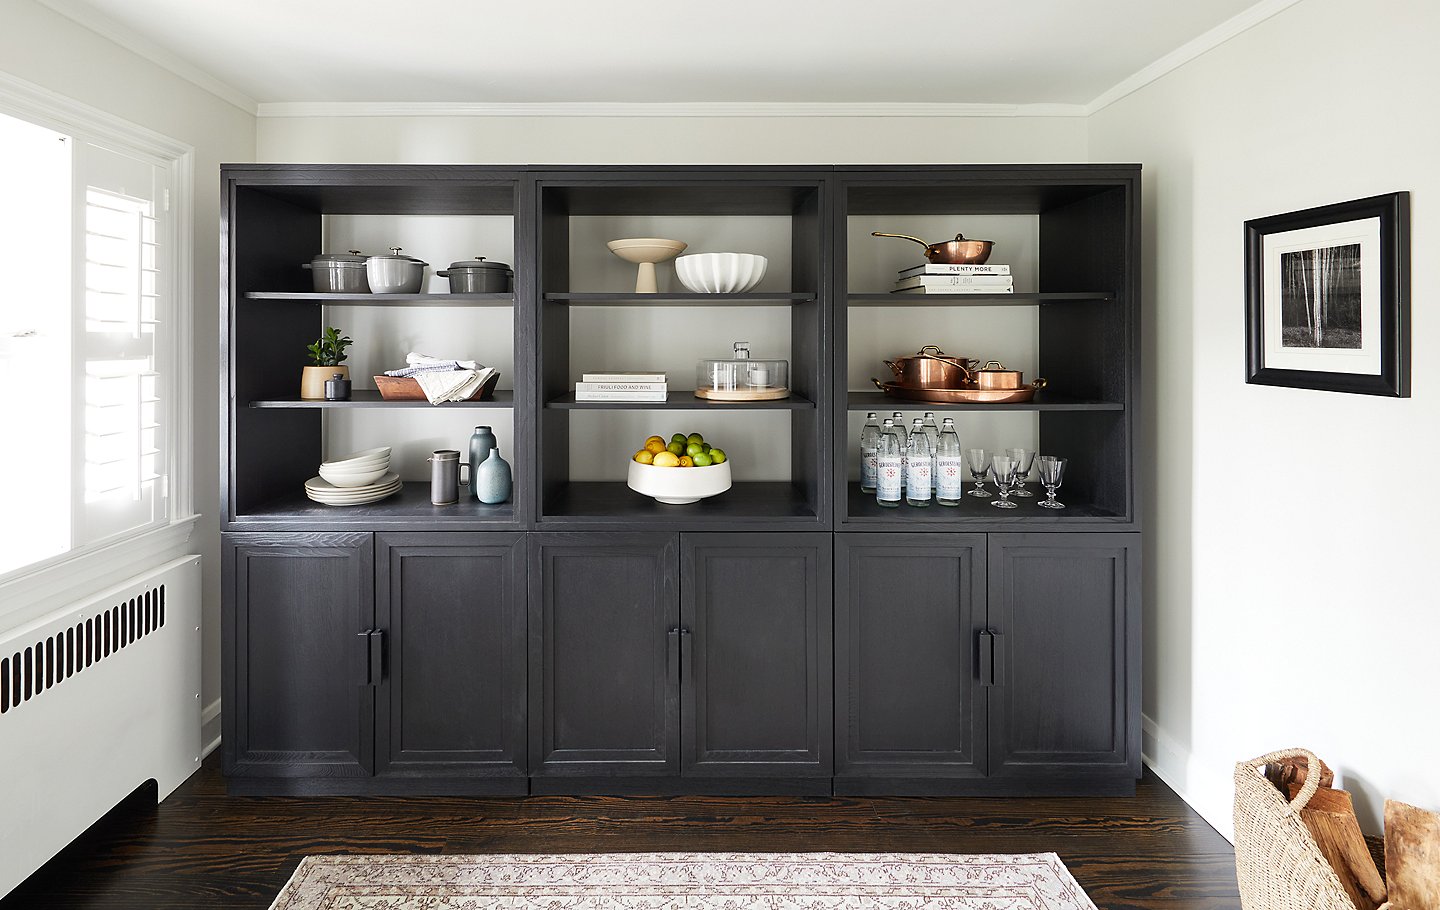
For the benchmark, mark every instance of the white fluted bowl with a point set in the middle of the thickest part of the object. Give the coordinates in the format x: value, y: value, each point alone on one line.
x: 678, y: 486
x: 720, y: 273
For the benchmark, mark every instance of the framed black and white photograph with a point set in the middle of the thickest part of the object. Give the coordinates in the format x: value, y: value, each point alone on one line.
x: 1327, y: 297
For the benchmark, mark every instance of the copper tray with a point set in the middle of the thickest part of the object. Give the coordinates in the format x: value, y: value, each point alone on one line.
x: 405, y: 388
x: 961, y: 396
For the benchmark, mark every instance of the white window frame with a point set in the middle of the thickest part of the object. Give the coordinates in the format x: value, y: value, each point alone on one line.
x: 31, y: 591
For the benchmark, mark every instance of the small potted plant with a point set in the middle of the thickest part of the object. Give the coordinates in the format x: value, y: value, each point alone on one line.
x: 327, y: 355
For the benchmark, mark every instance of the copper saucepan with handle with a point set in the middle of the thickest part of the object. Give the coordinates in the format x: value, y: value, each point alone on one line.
x: 993, y: 377
x: 959, y: 251
x: 932, y: 368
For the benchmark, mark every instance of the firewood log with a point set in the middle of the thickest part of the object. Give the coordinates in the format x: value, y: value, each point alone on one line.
x: 1330, y: 817
x: 1294, y: 771
x: 1412, y: 856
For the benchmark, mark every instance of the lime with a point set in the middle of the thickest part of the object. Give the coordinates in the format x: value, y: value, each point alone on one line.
x: 666, y: 460
x: 678, y: 437
x: 645, y: 456
x: 694, y: 448
x: 694, y: 437
x: 704, y: 446
x: 676, y: 448
x: 717, y: 456
x: 702, y: 460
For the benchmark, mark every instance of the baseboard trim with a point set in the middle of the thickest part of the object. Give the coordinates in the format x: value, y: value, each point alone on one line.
x: 1209, y: 793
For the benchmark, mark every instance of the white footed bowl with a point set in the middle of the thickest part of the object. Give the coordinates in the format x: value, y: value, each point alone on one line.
x: 353, y: 478
x: 646, y: 249
x: 720, y: 273
x: 678, y: 486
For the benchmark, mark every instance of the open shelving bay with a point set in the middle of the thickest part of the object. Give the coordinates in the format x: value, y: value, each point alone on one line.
x: 1067, y: 231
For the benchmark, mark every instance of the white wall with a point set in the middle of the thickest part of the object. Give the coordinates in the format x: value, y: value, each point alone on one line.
x: 42, y: 47
x: 1290, y: 593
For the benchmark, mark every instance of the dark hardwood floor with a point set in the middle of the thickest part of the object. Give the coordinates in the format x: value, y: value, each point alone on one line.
x: 203, y: 848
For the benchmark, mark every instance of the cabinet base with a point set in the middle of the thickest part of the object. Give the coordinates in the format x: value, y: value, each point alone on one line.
x: 376, y: 786
x: 938, y: 786
x: 679, y: 786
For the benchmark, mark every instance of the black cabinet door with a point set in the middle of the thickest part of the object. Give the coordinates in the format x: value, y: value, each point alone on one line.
x: 451, y: 700
x: 908, y: 612
x: 604, y: 654
x: 755, y: 616
x: 298, y: 702
x: 1065, y: 611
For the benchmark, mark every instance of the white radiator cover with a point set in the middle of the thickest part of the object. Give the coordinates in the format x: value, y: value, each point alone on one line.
x: 75, y: 742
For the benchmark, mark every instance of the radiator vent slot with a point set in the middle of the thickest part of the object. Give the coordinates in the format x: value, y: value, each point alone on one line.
x: 47, y: 663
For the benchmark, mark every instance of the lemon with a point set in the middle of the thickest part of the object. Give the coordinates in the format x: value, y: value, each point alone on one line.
x: 717, y: 456
x: 659, y: 439
x: 702, y: 460
x: 645, y: 456
x: 686, y: 461
x: 654, y: 445
x: 666, y: 460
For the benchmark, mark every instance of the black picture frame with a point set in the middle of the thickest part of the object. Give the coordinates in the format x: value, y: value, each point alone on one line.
x: 1263, y: 303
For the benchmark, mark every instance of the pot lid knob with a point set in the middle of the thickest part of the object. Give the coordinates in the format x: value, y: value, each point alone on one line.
x: 742, y: 350
x: 395, y: 250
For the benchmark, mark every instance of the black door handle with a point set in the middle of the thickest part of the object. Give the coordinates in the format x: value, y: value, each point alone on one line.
x: 672, y: 659
x: 373, y: 641
x: 686, y: 652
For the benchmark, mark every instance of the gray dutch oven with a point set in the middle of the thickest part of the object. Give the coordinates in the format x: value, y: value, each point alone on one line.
x: 477, y: 276
x: 395, y: 274
x: 339, y: 273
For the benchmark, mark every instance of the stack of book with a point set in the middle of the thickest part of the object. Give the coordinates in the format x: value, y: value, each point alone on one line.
x: 940, y: 278
x: 621, y: 387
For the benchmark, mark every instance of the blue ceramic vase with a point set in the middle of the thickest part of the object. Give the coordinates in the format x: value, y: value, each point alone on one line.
x: 494, y: 483
x: 480, y: 445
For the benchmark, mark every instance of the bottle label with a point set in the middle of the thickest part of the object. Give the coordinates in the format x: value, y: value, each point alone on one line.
x: 949, y: 476
x: 867, y: 468
x: 889, y: 478
x: 917, y: 478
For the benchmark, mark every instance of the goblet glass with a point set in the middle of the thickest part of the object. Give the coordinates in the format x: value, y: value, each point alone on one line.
x: 1024, y: 458
x: 1002, y: 469
x: 978, y: 462
x: 1052, y: 472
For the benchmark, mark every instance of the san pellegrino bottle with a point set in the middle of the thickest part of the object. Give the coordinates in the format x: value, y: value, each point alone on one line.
x: 949, y: 466
x: 917, y: 467
x: 889, y: 470
x: 869, y: 442
x: 932, y: 432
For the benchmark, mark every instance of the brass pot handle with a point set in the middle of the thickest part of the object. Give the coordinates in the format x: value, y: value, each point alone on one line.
x: 992, y: 364
x: 1039, y: 384
x: 895, y: 368
x: 878, y: 384
x: 901, y: 236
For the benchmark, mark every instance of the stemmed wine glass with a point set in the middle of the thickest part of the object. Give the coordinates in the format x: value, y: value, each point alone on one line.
x: 1002, y: 468
x: 978, y: 462
x: 1024, y: 458
x: 1052, y: 472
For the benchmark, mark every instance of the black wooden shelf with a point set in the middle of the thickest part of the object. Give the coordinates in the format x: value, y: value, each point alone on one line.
x: 1043, y: 401
x: 1027, y: 299
x: 370, y: 398
x: 598, y: 501
x: 411, y: 507
x: 764, y: 298
x: 862, y: 509
x: 461, y: 300
x: 682, y: 401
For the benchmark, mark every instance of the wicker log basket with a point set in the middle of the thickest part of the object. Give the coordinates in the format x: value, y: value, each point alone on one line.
x: 1277, y: 862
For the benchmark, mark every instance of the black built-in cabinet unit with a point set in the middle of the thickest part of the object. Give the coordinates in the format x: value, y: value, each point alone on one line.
x: 788, y: 636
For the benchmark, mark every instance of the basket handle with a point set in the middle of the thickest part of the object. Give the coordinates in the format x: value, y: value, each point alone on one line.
x: 1312, y: 777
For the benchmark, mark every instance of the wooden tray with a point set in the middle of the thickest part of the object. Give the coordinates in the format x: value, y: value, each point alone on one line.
x: 960, y: 396
x: 405, y: 388
x: 742, y: 394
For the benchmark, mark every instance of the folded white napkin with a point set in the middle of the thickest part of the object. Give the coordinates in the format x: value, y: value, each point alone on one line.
x: 452, y: 385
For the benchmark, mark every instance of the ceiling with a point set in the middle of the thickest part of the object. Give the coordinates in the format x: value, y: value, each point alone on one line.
x: 751, y: 51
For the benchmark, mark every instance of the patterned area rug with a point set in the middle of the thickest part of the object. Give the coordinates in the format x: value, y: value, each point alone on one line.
x: 700, y: 881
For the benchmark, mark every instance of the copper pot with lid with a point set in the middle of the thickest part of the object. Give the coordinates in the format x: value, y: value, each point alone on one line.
x: 932, y: 368
x: 994, y: 377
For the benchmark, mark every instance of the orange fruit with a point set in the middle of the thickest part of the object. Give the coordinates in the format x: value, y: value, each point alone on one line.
x: 686, y: 461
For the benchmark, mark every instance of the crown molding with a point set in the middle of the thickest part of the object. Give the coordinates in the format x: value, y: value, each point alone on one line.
x: 658, y: 109
x: 87, y: 17
x: 1196, y: 47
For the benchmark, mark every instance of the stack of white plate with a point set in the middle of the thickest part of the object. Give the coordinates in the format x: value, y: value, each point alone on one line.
x: 354, y: 480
